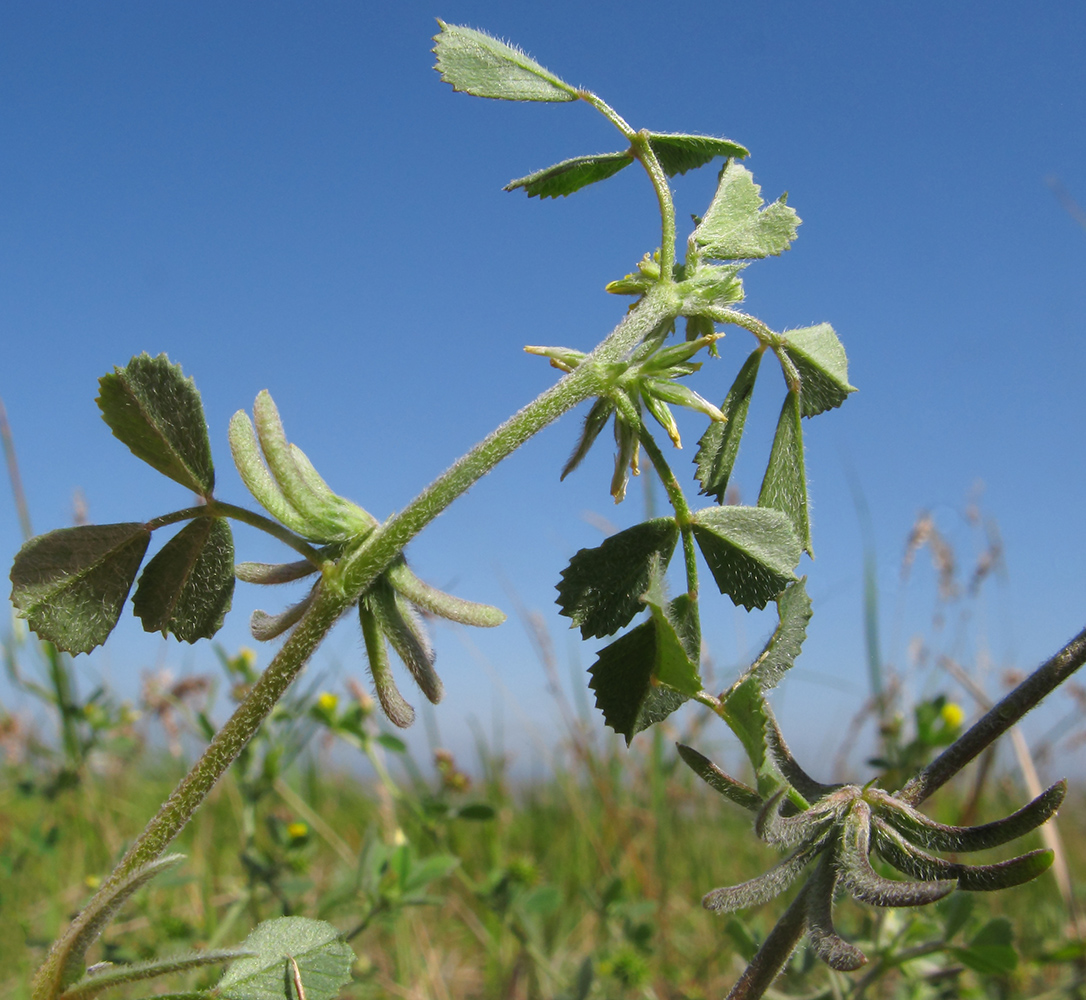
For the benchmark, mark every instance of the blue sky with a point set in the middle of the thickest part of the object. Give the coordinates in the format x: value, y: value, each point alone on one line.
x: 285, y: 196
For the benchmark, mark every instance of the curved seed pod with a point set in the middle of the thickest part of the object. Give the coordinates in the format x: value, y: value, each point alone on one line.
x: 271, y: 573
x: 353, y: 518
x: 725, y: 784
x: 828, y: 945
x: 865, y: 883
x: 258, y: 481
x: 263, y: 626
x: 891, y: 846
x: 399, y: 712
x: 593, y: 423
x: 765, y: 887
x: 799, y: 779
x: 403, y: 629
x: 439, y: 603
x: 790, y: 831
x: 626, y: 436
x: 919, y: 829
x: 664, y: 417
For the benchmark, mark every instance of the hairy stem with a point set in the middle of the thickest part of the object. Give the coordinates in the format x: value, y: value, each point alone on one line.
x: 758, y: 976
x: 994, y: 723
x: 677, y: 498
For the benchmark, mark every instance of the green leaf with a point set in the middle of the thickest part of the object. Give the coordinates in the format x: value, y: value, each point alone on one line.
x: 679, y: 153
x: 736, y: 227
x: 678, y: 645
x: 732, y: 789
x: 601, y: 588
x: 478, y: 811
x: 476, y: 63
x: 625, y: 677
x: 571, y: 175
x: 784, y: 486
x: 992, y: 951
x: 776, y: 659
x: 71, y: 584
x: 751, y: 551
x: 151, y: 407
x: 823, y: 368
x: 324, y: 962
x: 748, y: 717
x: 116, y: 975
x: 187, y: 588
x: 719, y: 445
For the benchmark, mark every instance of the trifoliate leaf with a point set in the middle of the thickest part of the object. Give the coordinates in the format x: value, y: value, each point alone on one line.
x: 719, y: 445
x: 794, y: 609
x: 679, y: 153
x: 323, y: 961
x: 823, y: 368
x: 71, y: 584
x: 751, y: 551
x: 736, y: 227
x: 151, y: 407
x: 187, y: 588
x: 571, y: 175
x: 784, y: 486
x: 625, y: 678
x: 601, y: 588
x: 476, y: 63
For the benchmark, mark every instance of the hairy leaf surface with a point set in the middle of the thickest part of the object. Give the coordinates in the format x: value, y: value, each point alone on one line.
x: 571, y: 175
x: 601, y: 588
x: 736, y: 227
x: 679, y: 153
x: 71, y: 584
x: 751, y: 551
x: 776, y: 659
x: 188, y: 586
x: 719, y: 445
x: 151, y: 407
x: 823, y: 368
x: 323, y: 962
x: 476, y: 63
x: 731, y: 788
x: 784, y: 486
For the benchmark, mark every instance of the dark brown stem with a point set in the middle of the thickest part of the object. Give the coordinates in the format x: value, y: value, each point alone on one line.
x: 767, y: 964
x: 1029, y: 694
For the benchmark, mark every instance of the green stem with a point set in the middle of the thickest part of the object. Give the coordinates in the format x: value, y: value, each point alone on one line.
x: 339, y: 589
x: 683, y: 517
x: 217, y: 508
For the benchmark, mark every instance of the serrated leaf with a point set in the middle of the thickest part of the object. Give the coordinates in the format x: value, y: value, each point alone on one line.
x: 186, y: 589
x: 823, y: 367
x: 571, y: 175
x: 992, y: 951
x: 601, y: 588
x: 679, y: 153
x: 476, y: 63
x: 71, y: 584
x: 732, y: 789
x: 736, y: 227
x: 628, y: 692
x: 323, y: 959
x: 678, y: 645
x: 784, y: 486
x: 751, y: 551
x: 784, y: 645
x: 151, y: 407
x: 719, y: 445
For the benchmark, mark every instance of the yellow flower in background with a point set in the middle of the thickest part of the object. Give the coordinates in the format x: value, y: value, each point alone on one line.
x: 327, y: 701
x: 297, y: 830
x: 952, y: 715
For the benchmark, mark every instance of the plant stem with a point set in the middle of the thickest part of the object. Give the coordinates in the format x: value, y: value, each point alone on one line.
x: 339, y: 589
x: 677, y: 498
x: 994, y: 723
x: 217, y: 508
x: 767, y: 964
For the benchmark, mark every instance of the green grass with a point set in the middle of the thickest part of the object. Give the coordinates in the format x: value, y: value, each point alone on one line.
x: 605, y: 861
